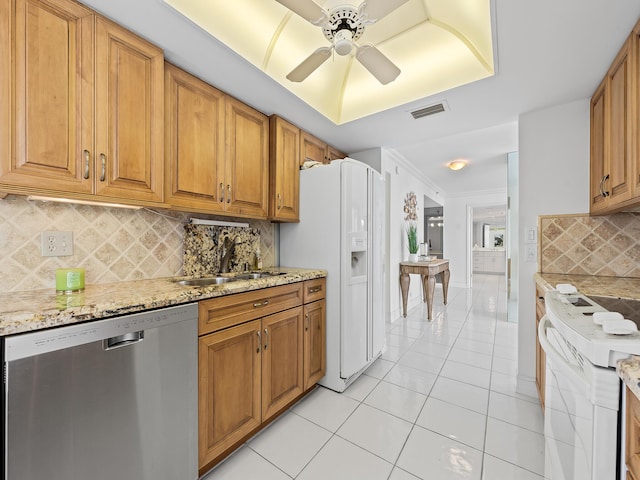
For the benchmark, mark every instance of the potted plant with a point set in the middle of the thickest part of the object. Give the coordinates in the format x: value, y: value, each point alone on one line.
x: 412, y: 241
x: 411, y: 218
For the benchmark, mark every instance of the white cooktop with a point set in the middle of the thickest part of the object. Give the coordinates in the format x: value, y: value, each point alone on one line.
x: 572, y: 316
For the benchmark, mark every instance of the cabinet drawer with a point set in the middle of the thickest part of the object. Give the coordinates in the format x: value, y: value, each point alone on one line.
x: 222, y: 312
x: 315, y: 290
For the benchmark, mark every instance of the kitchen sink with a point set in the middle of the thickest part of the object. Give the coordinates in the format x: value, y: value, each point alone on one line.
x: 253, y: 275
x: 218, y: 280
x: 206, y: 281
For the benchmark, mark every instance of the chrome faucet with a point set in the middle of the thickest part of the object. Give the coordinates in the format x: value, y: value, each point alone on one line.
x: 229, y: 246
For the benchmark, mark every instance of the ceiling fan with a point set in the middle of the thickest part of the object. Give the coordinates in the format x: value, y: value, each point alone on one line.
x: 342, y: 26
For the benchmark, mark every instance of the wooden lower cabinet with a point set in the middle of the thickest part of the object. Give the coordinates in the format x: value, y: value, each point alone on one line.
x: 632, y: 454
x: 315, y: 358
x: 252, y: 370
x: 282, y: 358
x: 541, y: 359
x: 229, y: 407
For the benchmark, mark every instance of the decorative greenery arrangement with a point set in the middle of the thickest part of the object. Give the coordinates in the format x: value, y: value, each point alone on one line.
x: 411, y: 218
x: 412, y: 237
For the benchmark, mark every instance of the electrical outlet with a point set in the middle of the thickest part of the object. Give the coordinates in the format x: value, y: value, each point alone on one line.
x: 56, y: 244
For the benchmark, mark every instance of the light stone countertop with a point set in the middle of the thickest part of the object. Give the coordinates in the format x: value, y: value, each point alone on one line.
x: 622, y: 287
x: 38, y: 309
x: 629, y: 371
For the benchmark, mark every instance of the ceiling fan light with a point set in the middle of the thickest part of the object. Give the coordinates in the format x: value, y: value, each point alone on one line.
x: 457, y: 164
x: 343, y: 42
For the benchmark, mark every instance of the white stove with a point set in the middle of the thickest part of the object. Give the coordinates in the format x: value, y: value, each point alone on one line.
x: 582, y: 388
x: 572, y: 316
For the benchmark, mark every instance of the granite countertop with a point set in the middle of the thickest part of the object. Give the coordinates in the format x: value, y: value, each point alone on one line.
x: 38, y: 309
x: 629, y: 371
x: 621, y: 287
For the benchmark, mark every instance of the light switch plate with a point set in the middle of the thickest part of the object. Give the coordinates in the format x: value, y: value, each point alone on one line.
x: 531, y: 253
x: 532, y: 235
x: 56, y: 244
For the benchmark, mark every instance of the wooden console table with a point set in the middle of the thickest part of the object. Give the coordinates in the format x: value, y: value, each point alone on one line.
x: 428, y: 272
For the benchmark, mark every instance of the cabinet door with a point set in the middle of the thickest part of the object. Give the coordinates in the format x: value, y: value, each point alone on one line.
x: 284, y: 171
x: 129, y: 115
x: 599, y: 124
x: 621, y: 130
x: 282, y: 360
x: 541, y: 359
x: 247, y: 168
x: 312, y: 148
x: 194, y: 142
x: 229, y: 370
x: 632, y: 453
x: 47, y: 129
x: 315, y: 357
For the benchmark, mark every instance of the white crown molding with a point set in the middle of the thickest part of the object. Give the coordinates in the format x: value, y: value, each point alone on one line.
x: 404, y: 163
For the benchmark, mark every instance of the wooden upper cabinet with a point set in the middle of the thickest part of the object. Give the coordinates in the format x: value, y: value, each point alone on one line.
x: 599, y: 123
x: 247, y: 168
x: 621, y: 133
x: 129, y: 114
x: 52, y: 108
x: 635, y: 64
x: 87, y: 105
x: 284, y: 186
x: 614, y: 123
x: 312, y: 149
x: 194, y: 142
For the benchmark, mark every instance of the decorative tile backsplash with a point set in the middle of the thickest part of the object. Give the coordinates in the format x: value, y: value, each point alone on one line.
x: 111, y: 244
x: 583, y: 245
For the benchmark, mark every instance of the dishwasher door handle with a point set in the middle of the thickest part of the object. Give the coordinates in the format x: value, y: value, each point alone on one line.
x: 122, y: 340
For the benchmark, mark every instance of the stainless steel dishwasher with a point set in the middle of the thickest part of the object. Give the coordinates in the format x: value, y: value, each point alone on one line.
x: 104, y: 400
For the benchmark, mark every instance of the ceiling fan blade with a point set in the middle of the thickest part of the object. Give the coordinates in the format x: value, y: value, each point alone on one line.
x: 373, y: 10
x: 307, y: 9
x: 378, y: 65
x: 309, y: 65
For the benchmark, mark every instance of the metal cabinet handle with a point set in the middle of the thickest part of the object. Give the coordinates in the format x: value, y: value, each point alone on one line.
x: 228, y: 193
x: 604, y: 185
x: 87, y: 158
x: 259, y: 341
x: 103, y: 172
x: 306, y: 318
x: 279, y: 201
x: 261, y: 304
x: 315, y: 289
x: 221, y: 192
x: 266, y: 338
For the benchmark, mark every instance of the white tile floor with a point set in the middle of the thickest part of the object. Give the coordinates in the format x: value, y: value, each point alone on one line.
x: 440, y: 404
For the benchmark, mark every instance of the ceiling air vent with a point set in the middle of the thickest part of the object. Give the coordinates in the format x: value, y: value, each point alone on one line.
x: 430, y: 110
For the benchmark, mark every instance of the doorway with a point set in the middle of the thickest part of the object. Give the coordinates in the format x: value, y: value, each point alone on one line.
x: 489, y: 240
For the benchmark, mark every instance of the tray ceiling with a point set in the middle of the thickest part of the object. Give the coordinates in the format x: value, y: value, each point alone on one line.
x: 437, y: 44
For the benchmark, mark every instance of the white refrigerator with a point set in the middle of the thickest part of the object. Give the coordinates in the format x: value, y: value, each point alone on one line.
x: 341, y: 230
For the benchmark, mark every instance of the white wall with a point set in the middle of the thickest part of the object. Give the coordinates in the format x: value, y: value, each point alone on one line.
x: 554, y: 179
x: 457, y: 230
x: 402, y: 178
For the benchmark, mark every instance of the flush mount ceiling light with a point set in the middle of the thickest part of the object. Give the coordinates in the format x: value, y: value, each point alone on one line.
x: 342, y: 26
x: 437, y: 45
x: 457, y: 164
